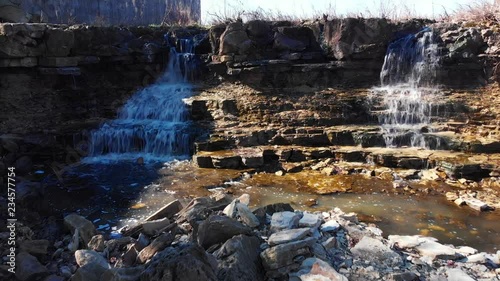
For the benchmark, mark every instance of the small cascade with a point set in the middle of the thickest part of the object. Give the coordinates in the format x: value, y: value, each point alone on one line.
x: 408, y: 89
x: 154, y: 124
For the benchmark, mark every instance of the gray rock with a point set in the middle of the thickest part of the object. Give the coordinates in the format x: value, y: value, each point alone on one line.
x: 85, y: 227
x: 283, y: 255
x: 152, y: 228
x: 122, y: 274
x: 89, y: 272
x: 405, y: 276
x: 456, y: 274
x: 218, y: 229
x: 435, y: 250
x: 160, y: 243
x: 314, y: 269
x: 239, y: 259
x: 84, y: 257
x: 168, y: 211
x: 231, y: 210
x: 28, y: 267
x: 375, y: 251
x: 330, y: 243
x: 288, y: 235
x: 246, y: 215
x: 284, y: 220
x: 185, y: 264
x: 96, y: 243
x: 34, y: 247
x: 330, y: 226
x: 477, y: 258
x: 309, y: 220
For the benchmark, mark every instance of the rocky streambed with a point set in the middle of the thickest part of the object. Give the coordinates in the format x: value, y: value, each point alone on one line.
x: 221, y: 238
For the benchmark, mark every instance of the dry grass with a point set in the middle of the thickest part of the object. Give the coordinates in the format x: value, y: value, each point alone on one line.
x: 478, y: 12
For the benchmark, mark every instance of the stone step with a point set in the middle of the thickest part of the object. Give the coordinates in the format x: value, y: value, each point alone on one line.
x: 456, y: 164
x: 351, y: 135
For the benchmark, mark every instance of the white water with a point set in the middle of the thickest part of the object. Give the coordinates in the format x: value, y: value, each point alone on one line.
x: 154, y: 123
x: 408, y: 90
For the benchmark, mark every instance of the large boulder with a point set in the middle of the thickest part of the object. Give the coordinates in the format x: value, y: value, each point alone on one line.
x: 295, y: 39
x: 235, y: 40
x: 239, y: 259
x: 259, y: 32
x: 355, y: 38
x: 28, y: 267
x: 376, y: 251
x: 186, y: 264
x: 218, y: 229
x: 85, y: 227
x: 214, y: 35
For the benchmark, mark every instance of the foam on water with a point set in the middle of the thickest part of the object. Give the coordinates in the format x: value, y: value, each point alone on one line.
x: 153, y: 124
x: 408, y: 90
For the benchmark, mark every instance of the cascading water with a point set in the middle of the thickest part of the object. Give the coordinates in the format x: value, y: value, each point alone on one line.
x: 154, y: 123
x: 407, y: 91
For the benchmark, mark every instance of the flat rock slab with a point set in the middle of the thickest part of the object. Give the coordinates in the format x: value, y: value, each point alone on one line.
x: 283, y: 255
x: 309, y: 220
x: 330, y: 226
x: 288, y: 235
x: 314, y: 269
x: 456, y: 274
x: 218, y: 229
x: 375, y: 251
x: 284, y: 220
x: 436, y: 250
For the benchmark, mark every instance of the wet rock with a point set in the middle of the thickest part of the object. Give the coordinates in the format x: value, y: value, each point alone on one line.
x: 96, y: 243
x: 284, y: 220
x: 246, y: 216
x: 375, y: 251
x: 239, y: 259
x: 434, y: 250
x: 451, y: 196
x: 28, y: 267
x: 84, y: 257
x: 184, y: 264
x: 168, y: 211
x: 284, y: 255
x: 288, y: 235
x: 218, y: 229
x: 34, y: 247
x: 85, y: 227
x: 314, y: 269
x: 244, y: 199
x: 476, y: 204
x: 160, y: 243
x: 227, y: 162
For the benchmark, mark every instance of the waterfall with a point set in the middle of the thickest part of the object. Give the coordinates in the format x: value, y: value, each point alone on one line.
x: 408, y: 89
x: 153, y: 124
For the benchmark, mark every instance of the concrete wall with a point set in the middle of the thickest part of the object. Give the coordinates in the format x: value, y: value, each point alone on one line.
x: 113, y: 12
